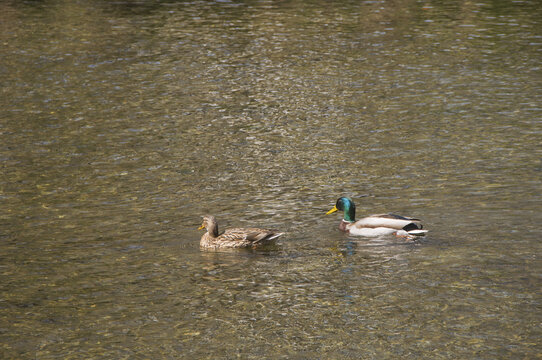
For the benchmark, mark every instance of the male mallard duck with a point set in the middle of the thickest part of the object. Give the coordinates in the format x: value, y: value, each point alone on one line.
x: 375, y: 225
x: 236, y: 237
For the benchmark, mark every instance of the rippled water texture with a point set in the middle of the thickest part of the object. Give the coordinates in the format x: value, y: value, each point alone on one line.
x: 121, y: 123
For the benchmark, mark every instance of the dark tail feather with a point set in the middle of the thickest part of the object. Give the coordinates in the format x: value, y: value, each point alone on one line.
x: 412, y: 226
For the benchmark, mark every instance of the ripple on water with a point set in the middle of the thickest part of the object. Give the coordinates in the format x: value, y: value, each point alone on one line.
x: 120, y: 129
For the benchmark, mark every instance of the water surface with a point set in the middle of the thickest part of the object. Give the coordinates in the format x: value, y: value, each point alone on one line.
x: 121, y: 123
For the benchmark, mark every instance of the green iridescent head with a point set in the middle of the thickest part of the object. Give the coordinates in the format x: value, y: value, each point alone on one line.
x: 347, y: 206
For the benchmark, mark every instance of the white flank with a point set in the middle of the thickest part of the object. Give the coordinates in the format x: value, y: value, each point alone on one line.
x: 371, y: 232
x: 384, y: 222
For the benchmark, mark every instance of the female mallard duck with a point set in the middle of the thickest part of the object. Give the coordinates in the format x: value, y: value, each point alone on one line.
x: 375, y: 225
x: 236, y: 237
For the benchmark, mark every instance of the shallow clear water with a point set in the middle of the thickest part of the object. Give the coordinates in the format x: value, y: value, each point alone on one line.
x: 122, y: 123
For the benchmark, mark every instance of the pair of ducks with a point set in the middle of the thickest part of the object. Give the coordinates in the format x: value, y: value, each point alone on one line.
x: 374, y: 225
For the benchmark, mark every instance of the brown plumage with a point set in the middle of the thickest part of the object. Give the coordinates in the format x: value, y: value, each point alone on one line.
x: 235, y: 237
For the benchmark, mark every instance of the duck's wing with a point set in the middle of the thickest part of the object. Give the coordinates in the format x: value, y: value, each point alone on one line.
x: 253, y: 235
x: 390, y: 221
x: 395, y: 216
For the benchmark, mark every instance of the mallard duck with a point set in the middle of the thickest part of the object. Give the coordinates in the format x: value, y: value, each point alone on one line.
x: 235, y: 237
x: 375, y: 225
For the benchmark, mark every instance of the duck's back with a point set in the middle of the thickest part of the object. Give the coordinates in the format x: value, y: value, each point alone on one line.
x: 240, y: 238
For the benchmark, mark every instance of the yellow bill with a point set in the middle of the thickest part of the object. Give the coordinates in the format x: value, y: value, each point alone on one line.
x: 332, y: 210
x: 201, y: 227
